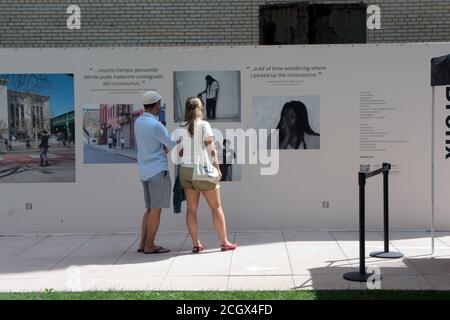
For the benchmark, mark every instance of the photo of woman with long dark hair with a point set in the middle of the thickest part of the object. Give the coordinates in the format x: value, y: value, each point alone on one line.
x: 296, y: 120
x: 294, y: 129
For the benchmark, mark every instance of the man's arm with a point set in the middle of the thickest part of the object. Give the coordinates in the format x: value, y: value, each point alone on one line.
x: 164, y: 138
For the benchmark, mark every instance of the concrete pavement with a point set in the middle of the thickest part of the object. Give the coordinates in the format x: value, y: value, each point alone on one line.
x: 23, y: 167
x: 266, y: 260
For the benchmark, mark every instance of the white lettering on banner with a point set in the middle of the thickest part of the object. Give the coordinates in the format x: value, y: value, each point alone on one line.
x: 374, y: 20
x: 74, y: 20
x: 256, y: 151
x: 374, y: 281
x: 447, y: 122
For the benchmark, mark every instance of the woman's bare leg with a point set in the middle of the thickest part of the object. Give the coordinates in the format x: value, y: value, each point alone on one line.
x: 213, y: 199
x: 192, y: 198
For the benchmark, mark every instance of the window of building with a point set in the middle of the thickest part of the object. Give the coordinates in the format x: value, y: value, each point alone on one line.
x: 12, y: 112
x: 33, y: 116
x: 41, y: 116
x: 22, y: 116
x: 316, y: 23
x: 17, y: 116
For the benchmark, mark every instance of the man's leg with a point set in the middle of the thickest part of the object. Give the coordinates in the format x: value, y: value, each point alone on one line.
x: 153, y: 219
x: 41, y: 156
x: 144, y: 230
x: 45, y: 157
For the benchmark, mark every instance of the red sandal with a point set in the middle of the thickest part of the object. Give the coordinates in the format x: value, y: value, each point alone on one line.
x: 198, y: 248
x: 228, y: 247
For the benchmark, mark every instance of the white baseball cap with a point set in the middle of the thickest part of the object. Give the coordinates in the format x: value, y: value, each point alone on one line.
x: 151, y: 97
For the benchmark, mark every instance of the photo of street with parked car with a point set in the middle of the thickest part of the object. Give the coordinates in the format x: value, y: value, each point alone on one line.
x: 37, y: 128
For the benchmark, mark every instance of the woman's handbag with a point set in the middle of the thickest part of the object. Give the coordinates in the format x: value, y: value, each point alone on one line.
x: 204, y: 170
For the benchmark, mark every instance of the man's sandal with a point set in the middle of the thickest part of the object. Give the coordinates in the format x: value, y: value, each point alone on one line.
x: 157, y: 250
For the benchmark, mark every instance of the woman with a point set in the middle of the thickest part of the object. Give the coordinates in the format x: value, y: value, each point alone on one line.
x: 198, y: 136
x: 293, y: 125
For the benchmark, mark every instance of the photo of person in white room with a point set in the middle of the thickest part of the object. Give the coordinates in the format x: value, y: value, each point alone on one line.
x: 212, y: 93
x: 297, y: 120
x: 220, y: 91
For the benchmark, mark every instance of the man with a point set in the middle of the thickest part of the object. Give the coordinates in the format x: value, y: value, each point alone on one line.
x: 43, y: 146
x: 153, y: 142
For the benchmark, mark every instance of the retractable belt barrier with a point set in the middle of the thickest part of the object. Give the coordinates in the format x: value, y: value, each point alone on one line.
x: 362, y: 275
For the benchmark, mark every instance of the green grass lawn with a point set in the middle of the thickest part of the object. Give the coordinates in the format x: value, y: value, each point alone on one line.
x: 230, y: 295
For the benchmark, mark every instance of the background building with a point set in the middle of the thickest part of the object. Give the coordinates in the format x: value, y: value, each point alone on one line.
x: 22, y: 115
x: 91, y: 125
x: 116, y: 122
x: 31, y: 23
x: 63, y: 126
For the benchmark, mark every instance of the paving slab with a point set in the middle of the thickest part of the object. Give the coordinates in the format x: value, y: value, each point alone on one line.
x: 259, y: 266
x: 325, y: 282
x: 432, y: 266
x: 310, y: 237
x: 404, y: 282
x: 202, y: 264
x: 195, y: 283
x: 44, y: 255
x: 100, y: 250
x: 306, y: 252
x: 439, y: 282
x: 261, y: 283
x: 14, y: 245
x: 317, y: 268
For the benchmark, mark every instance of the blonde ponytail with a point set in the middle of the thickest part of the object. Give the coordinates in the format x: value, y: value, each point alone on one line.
x: 193, y: 111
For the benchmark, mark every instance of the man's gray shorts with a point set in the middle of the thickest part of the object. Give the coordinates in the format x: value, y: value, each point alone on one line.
x: 157, y: 191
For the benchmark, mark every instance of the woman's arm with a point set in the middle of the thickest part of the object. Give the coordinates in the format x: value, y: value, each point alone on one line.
x: 209, y: 143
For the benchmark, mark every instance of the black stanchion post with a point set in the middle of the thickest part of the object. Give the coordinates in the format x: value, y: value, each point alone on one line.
x: 386, y: 253
x: 386, y: 206
x: 362, y: 223
x: 361, y: 275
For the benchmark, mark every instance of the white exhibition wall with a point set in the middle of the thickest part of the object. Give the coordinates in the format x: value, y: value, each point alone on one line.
x: 374, y: 104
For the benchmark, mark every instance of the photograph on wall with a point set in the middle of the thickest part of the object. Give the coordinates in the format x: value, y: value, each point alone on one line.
x: 297, y: 119
x: 108, y: 132
x: 37, y: 128
x: 220, y: 92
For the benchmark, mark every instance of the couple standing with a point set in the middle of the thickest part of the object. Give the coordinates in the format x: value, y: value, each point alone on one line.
x: 154, y: 142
